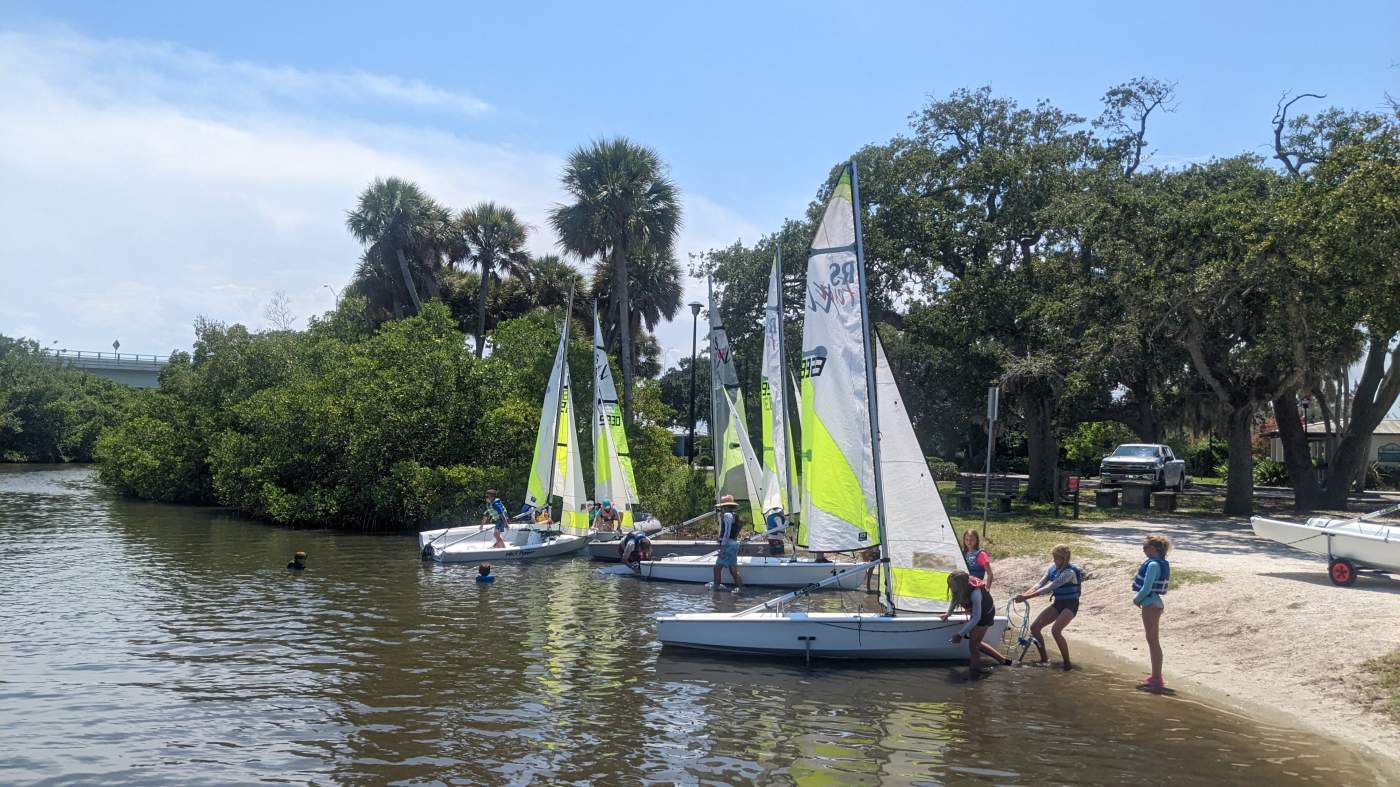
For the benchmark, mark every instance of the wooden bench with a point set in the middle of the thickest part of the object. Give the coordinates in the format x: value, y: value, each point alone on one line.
x: 1003, y: 489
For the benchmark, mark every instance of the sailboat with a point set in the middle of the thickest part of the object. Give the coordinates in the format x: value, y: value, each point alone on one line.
x: 779, y: 460
x: 737, y: 467
x: 865, y: 483
x: 556, y: 471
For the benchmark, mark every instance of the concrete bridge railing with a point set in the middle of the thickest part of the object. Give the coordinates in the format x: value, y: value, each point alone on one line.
x: 138, y: 370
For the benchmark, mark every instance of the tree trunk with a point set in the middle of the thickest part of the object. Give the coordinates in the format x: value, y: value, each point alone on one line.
x: 624, y: 326
x: 481, y: 310
x: 1375, y: 394
x: 1296, y: 454
x: 408, y: 282
x: 1239, y: 487
x: 1043, y: 448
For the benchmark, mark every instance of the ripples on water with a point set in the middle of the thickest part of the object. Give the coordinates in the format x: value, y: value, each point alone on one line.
x: 162, y: 644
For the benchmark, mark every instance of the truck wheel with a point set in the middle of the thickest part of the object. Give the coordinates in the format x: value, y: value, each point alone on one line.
x: 1159, y: 482
x: 1181, y: 483
x: 1342, y: 572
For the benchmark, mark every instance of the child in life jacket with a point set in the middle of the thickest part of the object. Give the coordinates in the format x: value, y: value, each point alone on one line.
x: 969, y: 593
x: 979, y: 563
x: 1063, y: 580
x: 1150, y: 584
x: 484, y: 575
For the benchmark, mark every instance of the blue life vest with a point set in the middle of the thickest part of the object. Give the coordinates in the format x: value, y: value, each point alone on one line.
x: 1164, y: 574
x: 1069, y: 590
x: 486, y: 578
x: 971, y: 559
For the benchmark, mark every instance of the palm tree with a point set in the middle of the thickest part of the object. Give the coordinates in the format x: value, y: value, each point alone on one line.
x: 654, y: 281
x: 622, y: 203
x: 406, y: 235
x: 495, y: 240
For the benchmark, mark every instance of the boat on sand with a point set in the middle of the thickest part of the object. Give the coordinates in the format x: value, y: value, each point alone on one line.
x: 1350, y: 545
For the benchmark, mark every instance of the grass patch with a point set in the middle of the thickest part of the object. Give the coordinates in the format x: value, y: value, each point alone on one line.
x: 1191, y: 576
x: 1383, y: 677
x: 1031, y: 529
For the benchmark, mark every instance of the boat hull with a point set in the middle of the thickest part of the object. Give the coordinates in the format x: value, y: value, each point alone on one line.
x: 1367, y: 544
x: 827, y: 635
x: 475, y: 552
x: 756, y: 571
x: 606, y: 551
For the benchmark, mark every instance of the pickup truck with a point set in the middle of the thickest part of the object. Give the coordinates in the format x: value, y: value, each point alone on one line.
x: 1143, y: 462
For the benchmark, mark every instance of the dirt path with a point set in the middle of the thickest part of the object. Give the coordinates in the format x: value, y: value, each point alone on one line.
x: 1273, y: 634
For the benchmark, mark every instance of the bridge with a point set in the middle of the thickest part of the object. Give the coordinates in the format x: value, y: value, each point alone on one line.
x: 133, y: 369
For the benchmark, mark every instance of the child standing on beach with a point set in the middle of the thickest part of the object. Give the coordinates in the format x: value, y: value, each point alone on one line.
x: 1063, y: 581
x: 979, y: 563
x: 971, y: 594
x: 1150, y: 583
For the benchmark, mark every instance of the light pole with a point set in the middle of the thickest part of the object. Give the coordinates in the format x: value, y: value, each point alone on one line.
x: 694, y: 333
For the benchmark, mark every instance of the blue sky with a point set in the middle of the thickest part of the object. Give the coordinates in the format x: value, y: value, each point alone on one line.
x: 211, y: 149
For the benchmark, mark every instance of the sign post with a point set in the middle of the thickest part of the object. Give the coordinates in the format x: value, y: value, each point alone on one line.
x: 993, y: 404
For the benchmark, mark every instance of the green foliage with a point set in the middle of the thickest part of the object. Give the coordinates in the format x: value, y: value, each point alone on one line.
x: 49, y: 411
x: 942, y: 470
x: 1268, y: 472
x: 341, y: 426
x: 1088, y: 442
x: 1203, y: 455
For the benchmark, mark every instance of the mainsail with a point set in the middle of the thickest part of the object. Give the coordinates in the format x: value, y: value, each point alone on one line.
x: 737, y: 472
x: 839, y: 496
x: 612, y: 466
x: 542, y: 481
x: 779, y: 471
x: 568, y: 477
x: 919, y: 539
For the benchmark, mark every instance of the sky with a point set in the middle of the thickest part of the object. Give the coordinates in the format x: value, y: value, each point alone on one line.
x: 163, y: 161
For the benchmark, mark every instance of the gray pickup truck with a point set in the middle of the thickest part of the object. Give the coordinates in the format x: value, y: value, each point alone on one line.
x: 1143, y: 462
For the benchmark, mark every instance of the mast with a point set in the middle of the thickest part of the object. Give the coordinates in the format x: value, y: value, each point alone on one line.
x: 715, y: 386
x: 871, y: 395
x: 563, y: 377
x: 782, y: 439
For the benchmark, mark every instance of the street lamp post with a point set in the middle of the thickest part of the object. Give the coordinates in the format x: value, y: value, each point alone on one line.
x: 694, y: 333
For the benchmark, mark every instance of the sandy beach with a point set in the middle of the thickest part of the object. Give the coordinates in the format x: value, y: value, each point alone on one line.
x: 1272, y: 635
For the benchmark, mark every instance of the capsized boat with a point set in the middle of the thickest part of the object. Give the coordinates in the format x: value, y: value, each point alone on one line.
x: 556, y: 471
x: 1350, y: 545
x: 865, y: 483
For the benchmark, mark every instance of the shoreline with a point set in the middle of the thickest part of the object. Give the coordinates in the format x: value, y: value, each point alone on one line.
x: 1272, y: 637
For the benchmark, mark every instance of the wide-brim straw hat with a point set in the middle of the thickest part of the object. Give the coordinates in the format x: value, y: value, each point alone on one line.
x: 727, y: 502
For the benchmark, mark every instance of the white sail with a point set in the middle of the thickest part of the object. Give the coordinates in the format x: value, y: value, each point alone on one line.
x: 612, y: 465
x: 752, y: 469
x: 726, y: 444
x: 542, y: 479
x: 569, y: 475
x: 919, y: 539
x: 839, y: 508
x: 779, y: 482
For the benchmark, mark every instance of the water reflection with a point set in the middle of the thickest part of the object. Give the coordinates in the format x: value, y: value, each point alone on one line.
x: 165, y: 644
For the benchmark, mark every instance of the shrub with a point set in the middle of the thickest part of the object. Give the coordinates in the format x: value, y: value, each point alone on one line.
x: 943, y: 470
x: 1268, y: 472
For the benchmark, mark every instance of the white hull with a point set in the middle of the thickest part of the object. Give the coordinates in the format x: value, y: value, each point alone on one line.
x: 832, y: 635
x: 531, y: 546
x: 463, y: 535
x: 607, y: 550
x: 1367, y: 544
x: 773, y: 572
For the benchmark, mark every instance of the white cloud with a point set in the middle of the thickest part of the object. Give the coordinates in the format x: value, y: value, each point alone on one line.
x: 146, y: 184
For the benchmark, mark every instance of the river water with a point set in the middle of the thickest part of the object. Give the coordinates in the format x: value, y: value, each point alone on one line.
x: 151, y: 644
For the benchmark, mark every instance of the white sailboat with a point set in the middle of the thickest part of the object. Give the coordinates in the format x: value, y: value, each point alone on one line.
x: 738, y: 467
x: 556, y: 471
x: 613, y: 479
x: 1350, y: 545
x: 865, y: 483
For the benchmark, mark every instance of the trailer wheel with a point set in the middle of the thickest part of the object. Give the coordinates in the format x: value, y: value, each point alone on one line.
x: 1342, y: 572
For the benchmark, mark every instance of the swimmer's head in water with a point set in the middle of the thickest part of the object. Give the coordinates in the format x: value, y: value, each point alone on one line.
x: 483, y: 569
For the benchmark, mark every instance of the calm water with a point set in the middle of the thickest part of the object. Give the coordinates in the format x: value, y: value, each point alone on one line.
x: 161, y: 644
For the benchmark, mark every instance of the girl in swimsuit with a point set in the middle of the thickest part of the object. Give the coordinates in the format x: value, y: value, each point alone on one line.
x: 1150, y: 583
x: 1062, y: 580
x: 971, y: 594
